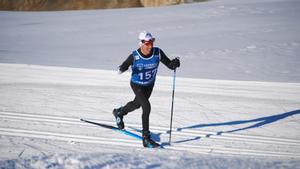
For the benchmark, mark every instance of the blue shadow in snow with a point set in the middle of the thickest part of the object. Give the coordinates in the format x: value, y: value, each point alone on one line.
x: 259, y: 122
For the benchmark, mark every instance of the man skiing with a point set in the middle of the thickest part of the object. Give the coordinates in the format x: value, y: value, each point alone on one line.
x: 144, y: 64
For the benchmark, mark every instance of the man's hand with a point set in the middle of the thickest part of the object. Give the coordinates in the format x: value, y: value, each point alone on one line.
x: 119, y: 71
x: 175, y: 63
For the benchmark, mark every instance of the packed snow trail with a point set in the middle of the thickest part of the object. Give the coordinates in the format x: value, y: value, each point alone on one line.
x: 61, y: 136
x: 33, y: 96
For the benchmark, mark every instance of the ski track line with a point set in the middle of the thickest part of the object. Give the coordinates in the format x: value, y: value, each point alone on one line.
x: 66, y: 137
x: 185, y: 132
x: 136, y: 143
x: 120, y: 142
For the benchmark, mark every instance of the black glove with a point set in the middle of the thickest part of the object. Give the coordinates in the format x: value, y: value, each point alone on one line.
x: 175, y: 63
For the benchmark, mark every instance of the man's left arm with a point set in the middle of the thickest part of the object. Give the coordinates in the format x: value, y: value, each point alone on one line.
x: 171, y: 64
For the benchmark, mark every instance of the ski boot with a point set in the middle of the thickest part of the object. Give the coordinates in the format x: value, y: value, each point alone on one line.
x: 148, y: 142
x: 119, y: 118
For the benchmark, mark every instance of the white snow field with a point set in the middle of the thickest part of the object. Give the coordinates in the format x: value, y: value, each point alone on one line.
x: 237, y: 96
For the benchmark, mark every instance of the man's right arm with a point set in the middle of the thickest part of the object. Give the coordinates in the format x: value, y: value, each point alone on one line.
x: 125, y: 65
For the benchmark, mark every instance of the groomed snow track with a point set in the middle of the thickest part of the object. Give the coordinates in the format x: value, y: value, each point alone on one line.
x: 128, y: 141
x: 46, y: 103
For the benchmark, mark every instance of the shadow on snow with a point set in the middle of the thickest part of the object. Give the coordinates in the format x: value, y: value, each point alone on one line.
x: 259, y: 122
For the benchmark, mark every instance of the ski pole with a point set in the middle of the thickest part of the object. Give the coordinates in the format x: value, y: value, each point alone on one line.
x: 172, y: 106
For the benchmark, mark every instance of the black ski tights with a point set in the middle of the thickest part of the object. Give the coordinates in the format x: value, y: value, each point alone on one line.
x: 142, y: 94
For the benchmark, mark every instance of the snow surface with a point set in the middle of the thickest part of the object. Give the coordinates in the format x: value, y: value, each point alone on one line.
x: 230, y: 40
x: 237, y: 92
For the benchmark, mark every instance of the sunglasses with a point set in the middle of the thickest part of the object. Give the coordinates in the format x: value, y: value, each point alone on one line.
x: 148, y: 43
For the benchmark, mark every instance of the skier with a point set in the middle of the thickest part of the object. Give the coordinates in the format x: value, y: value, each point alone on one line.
x: 144, y: 64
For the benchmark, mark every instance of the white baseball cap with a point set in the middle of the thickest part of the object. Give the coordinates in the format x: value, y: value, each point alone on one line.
x: 146, y: 36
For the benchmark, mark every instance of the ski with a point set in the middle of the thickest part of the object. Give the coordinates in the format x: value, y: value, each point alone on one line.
x: 128, y: 133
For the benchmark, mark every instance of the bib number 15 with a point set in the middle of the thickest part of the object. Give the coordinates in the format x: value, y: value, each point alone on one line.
x: 147, y: 75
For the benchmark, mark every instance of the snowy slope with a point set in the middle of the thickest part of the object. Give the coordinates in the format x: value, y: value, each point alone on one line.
x: 236, y: 102
x: 229, y: 40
